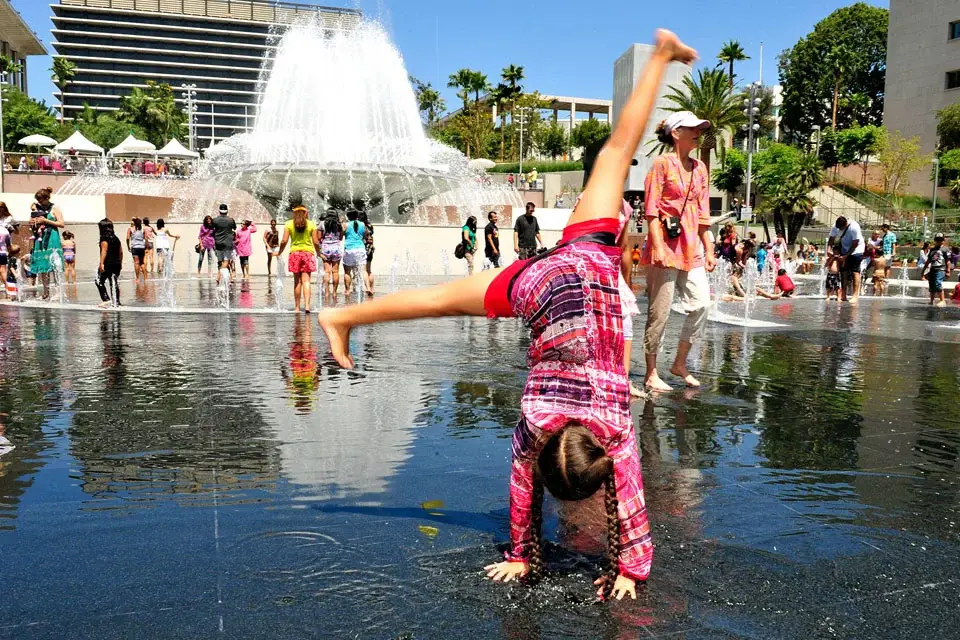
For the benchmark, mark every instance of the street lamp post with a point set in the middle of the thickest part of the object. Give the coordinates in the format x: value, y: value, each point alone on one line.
x: 189, y: 95
x: 3, y: 81
x: 751, y: 127
x: 523, y: 111
x: 936, y: 183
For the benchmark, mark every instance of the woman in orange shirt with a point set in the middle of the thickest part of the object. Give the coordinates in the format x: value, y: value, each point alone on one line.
x: 679, y: 247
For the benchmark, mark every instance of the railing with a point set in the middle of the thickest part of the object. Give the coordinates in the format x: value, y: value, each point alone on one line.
x: 254, y: 10
x: 14, y: 163
x: 865, y: 197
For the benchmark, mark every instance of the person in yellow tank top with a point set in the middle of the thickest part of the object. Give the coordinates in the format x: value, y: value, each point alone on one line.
x: 301, y: 234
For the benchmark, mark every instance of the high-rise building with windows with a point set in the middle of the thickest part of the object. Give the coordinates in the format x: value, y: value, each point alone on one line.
x: 216, y: 45
x: 923, y: 71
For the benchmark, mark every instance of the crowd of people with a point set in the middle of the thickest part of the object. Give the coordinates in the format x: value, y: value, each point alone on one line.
x: 72, y: 162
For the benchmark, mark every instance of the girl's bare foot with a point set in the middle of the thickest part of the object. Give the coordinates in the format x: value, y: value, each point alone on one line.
x: 668, y: 42
x: 654, y: 383
x: 338, y: 334
x: 681, y: 371
x: 636, y: 393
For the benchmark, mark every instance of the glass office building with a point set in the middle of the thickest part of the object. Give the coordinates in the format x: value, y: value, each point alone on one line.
x: 216, y: 45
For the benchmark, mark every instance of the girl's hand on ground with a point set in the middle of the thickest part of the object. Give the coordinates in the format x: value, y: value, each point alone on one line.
x: 507, y: 571
x: 621, y: 587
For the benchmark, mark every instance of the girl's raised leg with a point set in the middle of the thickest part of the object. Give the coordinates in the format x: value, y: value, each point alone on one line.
x: 460, y: 298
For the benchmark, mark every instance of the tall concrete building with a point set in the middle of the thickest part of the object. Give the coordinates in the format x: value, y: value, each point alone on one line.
x: 17, y: 41
x: 923, y: 71
x: 216, y: 45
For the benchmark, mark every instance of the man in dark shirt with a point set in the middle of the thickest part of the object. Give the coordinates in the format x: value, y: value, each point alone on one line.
x: 224, y: 228
x: 526, y: 234
x: 491, y: 237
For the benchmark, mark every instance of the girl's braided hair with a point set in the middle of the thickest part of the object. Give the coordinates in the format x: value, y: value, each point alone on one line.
x: 573, y: 465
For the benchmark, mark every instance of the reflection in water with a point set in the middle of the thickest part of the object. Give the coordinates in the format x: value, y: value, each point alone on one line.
x: 818, y: 466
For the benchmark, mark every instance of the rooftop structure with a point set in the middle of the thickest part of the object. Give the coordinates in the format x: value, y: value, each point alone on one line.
x: 215, y: 45
x: 17, y: 41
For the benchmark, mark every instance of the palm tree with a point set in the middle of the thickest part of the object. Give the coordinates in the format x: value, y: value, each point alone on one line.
x: 708, y: 97
x: 839, y: 61
x: 461, y: 80
x: 478, y: 84
x: 791, y: 197
x: 512, y: 76
x: 858, y: 104
x: 732, y: 52
x: 501, y: 95
x: 429, y: 101
x: 63, y: 72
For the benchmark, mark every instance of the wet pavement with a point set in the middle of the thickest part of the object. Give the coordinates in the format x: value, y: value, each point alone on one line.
x: 187, y: 475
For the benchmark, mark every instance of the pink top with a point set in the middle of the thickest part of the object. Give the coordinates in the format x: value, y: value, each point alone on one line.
x: 571, y: 303
x: 207, y: 240
x: 666, y: 192
x: 243, y: 239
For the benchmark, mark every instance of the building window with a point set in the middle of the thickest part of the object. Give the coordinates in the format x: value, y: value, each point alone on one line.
x: 953, y: 79
x: 955, y: 30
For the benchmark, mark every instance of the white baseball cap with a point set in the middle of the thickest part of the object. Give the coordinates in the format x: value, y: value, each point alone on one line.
x: 684, y: 119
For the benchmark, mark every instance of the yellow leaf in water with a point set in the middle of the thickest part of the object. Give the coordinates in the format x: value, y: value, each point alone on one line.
x: 431, y: 505
x: 430, y: 532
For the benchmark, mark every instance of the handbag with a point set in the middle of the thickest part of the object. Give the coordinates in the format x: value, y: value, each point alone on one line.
x: 460, y: 251
x: 671, y: 224
x: 198, y: 248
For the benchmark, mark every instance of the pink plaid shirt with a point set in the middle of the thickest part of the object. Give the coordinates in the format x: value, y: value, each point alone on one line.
x: 572, y: 305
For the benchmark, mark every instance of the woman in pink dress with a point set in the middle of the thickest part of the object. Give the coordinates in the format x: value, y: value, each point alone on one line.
x: 679, y: 247
x: 575, y: 435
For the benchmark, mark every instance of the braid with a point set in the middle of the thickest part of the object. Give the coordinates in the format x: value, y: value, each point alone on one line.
x: 613, y: 533
x: 536, y: 521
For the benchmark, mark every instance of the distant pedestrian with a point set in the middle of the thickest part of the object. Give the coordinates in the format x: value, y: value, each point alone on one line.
x: 244, y: 246
x: 271, y: 241
x: 224, y: 232
x: 304, y: 241
x: 205, y: 243
x: 491, y: 242
x: 354, y: 252
x: 468, y: 236
x: 163, y: 245
x: 526, y: 234
x: 331, y: 252
x: 937, y: 269
x: 69, y: 257
x: 368, y: 244
x: 889, y: 241
x: 137, y: 246
x: 111, y: 262
x: 148, y: 234
x: 851, y: 248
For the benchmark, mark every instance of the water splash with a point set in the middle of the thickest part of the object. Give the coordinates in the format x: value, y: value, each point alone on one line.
x: 278, y: 286
x: 223, y: 289
x: 166, y: 295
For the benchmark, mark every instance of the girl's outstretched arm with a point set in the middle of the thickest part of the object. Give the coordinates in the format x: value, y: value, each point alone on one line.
x: 460, y: 298
x: 604, y: 191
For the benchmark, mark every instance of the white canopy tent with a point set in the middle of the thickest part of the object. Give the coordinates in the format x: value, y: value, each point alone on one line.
x: 132, y: 146
x: 174, y: 149
x: 79, y: 143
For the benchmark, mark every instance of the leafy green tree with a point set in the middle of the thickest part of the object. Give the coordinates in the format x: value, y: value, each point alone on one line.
x: 533, y: 103
x: 23, y: 116
x: 809, y: 79
x: 730, y: 175
x: 589, y: 132
x: 899, y: 157
x: 732, y: 52
x: 828, y: 148
x: 708, y: 97
x: 552, y: 140
x: 785, y: 177
x: 948, y: 127
x: 63, y: 72
x: 857, y: 144
x: 858, y: 105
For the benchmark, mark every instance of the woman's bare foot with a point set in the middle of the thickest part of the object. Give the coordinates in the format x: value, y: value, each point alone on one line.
x: 636, y: 393
x: 338, y: 334
x: 680, y: 370
x: 654, y: 383
x: 668, y: 42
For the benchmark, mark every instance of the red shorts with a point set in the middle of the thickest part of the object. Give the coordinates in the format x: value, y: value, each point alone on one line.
x: 302, y: 262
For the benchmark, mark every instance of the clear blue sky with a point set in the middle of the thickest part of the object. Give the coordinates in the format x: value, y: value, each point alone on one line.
x: 566, y: 47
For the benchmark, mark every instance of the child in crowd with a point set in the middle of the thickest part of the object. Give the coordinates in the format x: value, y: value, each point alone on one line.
x: 69, y: 257
x: 575, y: 435
x: 937, y: 269
x: 635, y: 258
x: 833, y: 276
x: 783, y: 285
x: 881, y: 271
x: 955, y: 296
x: 762, y: 257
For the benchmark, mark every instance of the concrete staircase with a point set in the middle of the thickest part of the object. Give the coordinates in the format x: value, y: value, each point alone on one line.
x: 833, y: 203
